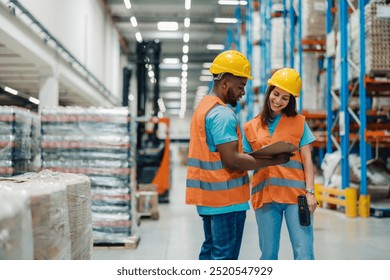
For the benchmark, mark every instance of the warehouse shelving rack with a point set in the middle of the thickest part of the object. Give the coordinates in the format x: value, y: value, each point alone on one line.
x: 365, y: 87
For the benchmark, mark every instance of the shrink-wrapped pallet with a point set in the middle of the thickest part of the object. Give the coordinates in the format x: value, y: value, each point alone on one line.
x: 16, y: 234
x: 50, y: 222
x: 79, y: 197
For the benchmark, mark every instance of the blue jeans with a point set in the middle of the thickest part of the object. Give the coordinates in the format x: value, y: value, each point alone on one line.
x: 269, y: 222
x: 223, y: 236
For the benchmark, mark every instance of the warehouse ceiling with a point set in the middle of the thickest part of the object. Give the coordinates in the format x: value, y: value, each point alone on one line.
x: 202, y: 31
x: 22, y: 75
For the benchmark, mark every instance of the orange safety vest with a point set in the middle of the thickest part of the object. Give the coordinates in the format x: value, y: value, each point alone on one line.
x: 281, y: 183
x: 209, y: 183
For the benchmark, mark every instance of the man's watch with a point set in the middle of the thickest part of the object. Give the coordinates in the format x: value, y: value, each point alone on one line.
x: 310, y: 191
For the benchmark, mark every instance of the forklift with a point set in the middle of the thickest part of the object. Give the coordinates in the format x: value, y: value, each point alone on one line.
x: 153, y: 152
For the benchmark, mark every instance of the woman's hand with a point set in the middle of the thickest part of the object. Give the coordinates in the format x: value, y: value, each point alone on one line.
x: 311, y: 202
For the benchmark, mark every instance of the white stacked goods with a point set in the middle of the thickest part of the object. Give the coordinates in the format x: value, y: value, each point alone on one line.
x: 278, y: 37
x: 94, y: 142
x: 78, y: 193
x: 377, y: 18
x: 16, y: 233
x: 50, y: 222
x: 313, y: 18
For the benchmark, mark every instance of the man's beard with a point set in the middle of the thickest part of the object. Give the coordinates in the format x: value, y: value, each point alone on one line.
x: 231, y: 98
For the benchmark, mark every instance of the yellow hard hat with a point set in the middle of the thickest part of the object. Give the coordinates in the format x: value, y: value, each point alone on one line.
x: 232, y: 62
x: 287, y: 79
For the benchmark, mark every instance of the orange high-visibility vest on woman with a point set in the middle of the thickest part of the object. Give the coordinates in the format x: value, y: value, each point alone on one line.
x: 280, y: 183
x: 209, y: 183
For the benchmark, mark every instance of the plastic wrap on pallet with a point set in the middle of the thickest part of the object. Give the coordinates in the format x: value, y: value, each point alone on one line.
x: 15, y: 139
x: 377, y: 18
x: 78, y: 192
x: 49, y: 209
x: 313, y: 18
x: 16, y: 232
x: 95, y: 142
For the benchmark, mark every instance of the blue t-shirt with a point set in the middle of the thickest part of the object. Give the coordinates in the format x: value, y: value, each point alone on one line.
x: 221, y: 124
x: 307, y: 137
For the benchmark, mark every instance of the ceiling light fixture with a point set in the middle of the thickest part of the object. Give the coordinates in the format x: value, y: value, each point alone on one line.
x: 215, y: 47
x: 184, y: 58
x: 11, y: 90
x: 172, y: 80
x: 138, y: 36
x: 207, y: 65
x: 206, y: 78
x: 133, y: 21
x: 187, y: 5
x: 186, y: 37
x: 33, y: 100
x: 187, y: 22
x: 185, y: 49
x: 171, y: 60
x: 225, y: 20
x: 127, y: 4
x: 167, y: 25
x: 232, y: 2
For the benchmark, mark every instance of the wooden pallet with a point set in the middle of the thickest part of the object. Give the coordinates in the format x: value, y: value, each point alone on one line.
x: 130, y: 242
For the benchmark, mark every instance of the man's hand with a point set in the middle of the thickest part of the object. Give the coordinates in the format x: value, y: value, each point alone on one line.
x: 282, y: 158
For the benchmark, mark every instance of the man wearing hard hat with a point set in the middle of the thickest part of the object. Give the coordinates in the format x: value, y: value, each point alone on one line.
x: 217, y: 179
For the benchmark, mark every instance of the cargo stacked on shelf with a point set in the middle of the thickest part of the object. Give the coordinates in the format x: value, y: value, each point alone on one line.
x: 377, y: 17
x: 15, y: 140
x: 95, y: 142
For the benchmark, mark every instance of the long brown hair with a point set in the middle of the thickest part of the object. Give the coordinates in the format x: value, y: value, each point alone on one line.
x: 266, y: 112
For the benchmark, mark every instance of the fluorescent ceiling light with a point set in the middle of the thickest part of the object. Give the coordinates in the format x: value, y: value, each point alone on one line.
x: 138, y: 36
x: 171, y: 95
x: 187, y: 5
x: 167, y: 25
x: 127, y: 4
x: 206, y: 78
x: 232, y: 2
x: 133, y: 21
x: 187, y: 22
x: 225, y: 20
x: 33, y: 100
x: 186, y: 37
x: 207, y: 65
x: 171, y: 60
x: 206, y: 72
x: 215, y: 47
x: 172, y: 80
x: 11, y: 90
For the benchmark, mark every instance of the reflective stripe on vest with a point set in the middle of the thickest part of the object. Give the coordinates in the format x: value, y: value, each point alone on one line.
x: 208, y: 182
x: 281, y: 183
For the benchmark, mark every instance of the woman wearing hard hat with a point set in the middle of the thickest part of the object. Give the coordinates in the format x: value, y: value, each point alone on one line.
x: 275, y: 189
x: 217, y: 181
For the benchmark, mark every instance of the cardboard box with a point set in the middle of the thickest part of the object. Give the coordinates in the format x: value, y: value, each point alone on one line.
x: 147, y: 200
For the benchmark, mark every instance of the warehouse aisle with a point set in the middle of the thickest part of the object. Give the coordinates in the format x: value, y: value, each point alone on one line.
x: 178, y: 234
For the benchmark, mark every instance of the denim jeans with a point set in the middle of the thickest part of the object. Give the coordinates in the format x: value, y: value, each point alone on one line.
x: 223, y: 236
x: 269, y: 222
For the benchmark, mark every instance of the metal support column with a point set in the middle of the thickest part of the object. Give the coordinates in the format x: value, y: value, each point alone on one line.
x: 300, y: 51
x: 329, y: 75
x: 249, y: 42
x: 344, y: 94
x: 292, y: 33
x: 364, y: 205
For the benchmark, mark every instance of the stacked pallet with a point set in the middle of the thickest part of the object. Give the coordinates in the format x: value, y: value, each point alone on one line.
x: 15, y: 140
x: 377, y: 17
x: 94, y: 142
x: 16, y: 235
